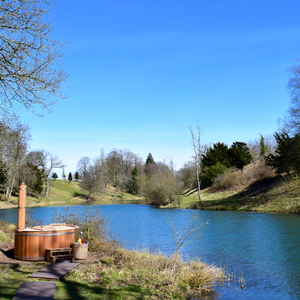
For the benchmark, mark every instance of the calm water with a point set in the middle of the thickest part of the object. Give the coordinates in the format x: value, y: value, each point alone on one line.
x: 264, y: 248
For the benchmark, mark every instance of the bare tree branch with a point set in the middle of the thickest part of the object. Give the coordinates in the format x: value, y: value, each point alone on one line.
x: 29, y: 74
x: 196, y: 144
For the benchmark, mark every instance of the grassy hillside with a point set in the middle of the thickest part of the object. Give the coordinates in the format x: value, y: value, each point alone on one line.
x: 257, y: 189
x: 62, y: 191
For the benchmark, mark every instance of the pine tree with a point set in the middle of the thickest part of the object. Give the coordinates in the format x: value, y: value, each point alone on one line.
x: 135, y: 183
x: 70, y: 177
x: 36, y: 180
x: 240, y: 155
x: 76, y: 176
x: 262, y: 146
x: 286, y: 158
x: 150, y: 159
x: 150, y: 166
x: 39, y: 186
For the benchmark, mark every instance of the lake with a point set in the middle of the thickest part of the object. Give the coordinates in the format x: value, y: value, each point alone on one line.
x: 263, y: 248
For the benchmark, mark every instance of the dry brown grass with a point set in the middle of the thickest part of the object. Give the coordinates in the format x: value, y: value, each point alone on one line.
x: 234, y: 179
x: 156, y: 271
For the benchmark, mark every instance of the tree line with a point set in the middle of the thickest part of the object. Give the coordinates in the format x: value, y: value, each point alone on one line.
x: 31, y: 79
x: 159, y: 181
x: 126, y: 171
x: 16, y: 161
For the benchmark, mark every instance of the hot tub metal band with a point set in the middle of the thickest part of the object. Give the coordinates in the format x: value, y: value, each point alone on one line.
x: 44, y: 234
x: 26, y: 257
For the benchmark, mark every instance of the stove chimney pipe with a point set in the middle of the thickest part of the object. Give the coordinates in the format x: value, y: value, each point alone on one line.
x: 22, y: 205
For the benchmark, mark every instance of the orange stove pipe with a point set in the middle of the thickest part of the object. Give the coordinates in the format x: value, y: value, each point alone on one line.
x: 21, y: 206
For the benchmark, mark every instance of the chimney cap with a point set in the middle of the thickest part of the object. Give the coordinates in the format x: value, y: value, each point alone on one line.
x: 22, y: 181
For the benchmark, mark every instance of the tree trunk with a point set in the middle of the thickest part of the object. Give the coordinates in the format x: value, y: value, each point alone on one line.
x: 9, y: 190
x: 116, y: 190
x: 47, y: 188
x: 198, y: 183
x: 105, y: 185
x: 6, y: 192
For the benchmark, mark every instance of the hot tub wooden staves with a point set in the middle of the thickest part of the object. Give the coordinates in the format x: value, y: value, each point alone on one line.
x: 31, y: 243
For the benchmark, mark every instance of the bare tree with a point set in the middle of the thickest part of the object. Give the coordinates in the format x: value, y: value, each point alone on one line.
x: 29, y: 76
x: 95, y: 176
x: 83, y: 166
x: 187, y: 175
x: 292, y: 122
x: 198, y: 151
x: 115, y: 163
x: 182, y: 233
x: 104, y: 169
x: 254, y: 149
x: 46, y: 161
x: 14, y: 144
x: 91, y: 181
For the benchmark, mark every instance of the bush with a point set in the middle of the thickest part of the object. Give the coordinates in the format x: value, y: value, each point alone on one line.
x: 91, y: 224
x: 261, y: 172
x: 162, y: 189
x: 209, y: 174
x: 225, y: 181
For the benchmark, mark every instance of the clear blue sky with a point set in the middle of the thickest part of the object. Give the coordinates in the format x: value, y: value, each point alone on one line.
x: 141, y: 72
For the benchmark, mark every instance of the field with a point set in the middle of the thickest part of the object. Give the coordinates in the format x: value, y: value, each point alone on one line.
x: 63, y: 191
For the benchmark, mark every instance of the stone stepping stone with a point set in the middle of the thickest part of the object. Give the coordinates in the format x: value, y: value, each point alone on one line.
x: 54, y: 271
x: 36, y: 290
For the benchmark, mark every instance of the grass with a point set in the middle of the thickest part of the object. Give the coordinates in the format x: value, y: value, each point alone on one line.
x: 116, y: 273
x: 63, y: 191
x: 257, y: 189
x: 279, y: 194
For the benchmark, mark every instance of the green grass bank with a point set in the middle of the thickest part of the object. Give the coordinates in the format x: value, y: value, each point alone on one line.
x: 63, y: 191
x: 274, y: 194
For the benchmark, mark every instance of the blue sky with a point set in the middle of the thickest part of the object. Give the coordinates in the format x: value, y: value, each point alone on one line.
x: 141, y: 72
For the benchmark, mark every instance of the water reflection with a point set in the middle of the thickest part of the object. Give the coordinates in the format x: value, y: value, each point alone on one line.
x: 264, y: 248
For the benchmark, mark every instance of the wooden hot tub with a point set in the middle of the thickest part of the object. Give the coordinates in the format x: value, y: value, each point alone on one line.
x: 31, y: 243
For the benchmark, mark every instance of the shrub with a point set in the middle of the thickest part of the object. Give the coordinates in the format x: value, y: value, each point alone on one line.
x: 225, y: 181
x: 91, y: 224
x: 209, y: 174
x: 162, y: 188
x: 261, y: 172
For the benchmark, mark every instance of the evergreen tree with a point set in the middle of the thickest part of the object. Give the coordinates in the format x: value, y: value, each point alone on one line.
x: 76, y: 176
x: 150, y: 166
x: 3, y: 174
x: 135, y: 183
x: 286, y: 158
x: 218, y: 153
x: 35, y: 180
x: 70, y: 177
x: 39, y: 185
x: 54, y: 176
x: 240, y: 155
x: 150, y: 159
x: 262, y: 146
